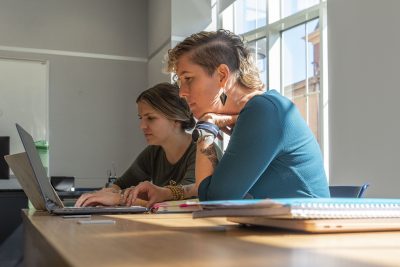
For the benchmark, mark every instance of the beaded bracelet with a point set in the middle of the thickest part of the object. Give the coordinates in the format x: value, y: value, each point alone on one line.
x: 176, y: 190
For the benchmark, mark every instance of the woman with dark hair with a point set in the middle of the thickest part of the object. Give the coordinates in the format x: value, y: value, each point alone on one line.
x: 272, y: 153
x: 167, y: 164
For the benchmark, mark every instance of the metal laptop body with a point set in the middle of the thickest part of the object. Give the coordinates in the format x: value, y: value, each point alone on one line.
x: 19, y: 164
x: 324, y: 225
x: 52, y: 202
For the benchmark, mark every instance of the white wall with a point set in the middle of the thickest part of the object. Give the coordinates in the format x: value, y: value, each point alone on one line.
x: 95, y: 26
x: 190, y: 16
x: 23, y: 100
x: 92, y: 111
x: 363, y: 47
x: 159, y: 39
x: 169, y: 21
x: 159, y: 24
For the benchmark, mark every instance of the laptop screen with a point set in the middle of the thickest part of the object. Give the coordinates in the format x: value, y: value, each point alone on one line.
x: 38, y: 168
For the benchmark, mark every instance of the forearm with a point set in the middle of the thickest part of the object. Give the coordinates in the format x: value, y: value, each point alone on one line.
x: 221, y: 120
x: 206, y: 161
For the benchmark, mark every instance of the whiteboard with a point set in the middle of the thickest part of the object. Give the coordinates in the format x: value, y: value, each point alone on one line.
x: 23, y: 99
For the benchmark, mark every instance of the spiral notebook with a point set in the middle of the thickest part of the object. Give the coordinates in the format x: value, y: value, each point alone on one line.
x: 302, y: 208
x: 314, y: 215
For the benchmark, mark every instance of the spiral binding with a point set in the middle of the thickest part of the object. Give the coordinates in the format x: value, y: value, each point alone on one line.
x: 345, y: 210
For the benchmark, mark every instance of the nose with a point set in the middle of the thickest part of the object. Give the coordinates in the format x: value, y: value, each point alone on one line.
x: 183, y: 91
x: 143, y: 124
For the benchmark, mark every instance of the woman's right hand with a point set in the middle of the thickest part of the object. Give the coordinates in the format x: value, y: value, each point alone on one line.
x: 146, y: 191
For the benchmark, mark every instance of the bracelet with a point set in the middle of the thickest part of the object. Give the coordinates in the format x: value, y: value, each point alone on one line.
x: 176, y: 190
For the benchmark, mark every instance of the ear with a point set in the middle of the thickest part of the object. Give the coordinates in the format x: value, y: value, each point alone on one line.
x: 178, y: 124
x: 223, y: 73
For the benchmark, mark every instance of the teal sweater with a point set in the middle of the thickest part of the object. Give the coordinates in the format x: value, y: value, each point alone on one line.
x: 271, y: 154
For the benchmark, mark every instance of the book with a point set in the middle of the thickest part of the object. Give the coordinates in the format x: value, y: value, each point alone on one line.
x: 177, y: 206
x: 322, y: 225
x: 247, y: 207
x: 302, y: 208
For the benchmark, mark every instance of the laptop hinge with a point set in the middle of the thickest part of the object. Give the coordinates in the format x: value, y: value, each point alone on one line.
x: 50, y: 205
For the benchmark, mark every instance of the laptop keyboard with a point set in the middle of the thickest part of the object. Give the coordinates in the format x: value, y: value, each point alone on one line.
x: 99, y: 210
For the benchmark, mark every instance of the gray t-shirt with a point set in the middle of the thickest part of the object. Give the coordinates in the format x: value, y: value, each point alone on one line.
x: 152, y: 165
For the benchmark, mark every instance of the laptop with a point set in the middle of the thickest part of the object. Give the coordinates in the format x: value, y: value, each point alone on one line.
x: 41, y: 192
x: 323, y: 225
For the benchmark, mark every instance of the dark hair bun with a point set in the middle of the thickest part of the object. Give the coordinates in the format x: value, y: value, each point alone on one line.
x: 189, y: 125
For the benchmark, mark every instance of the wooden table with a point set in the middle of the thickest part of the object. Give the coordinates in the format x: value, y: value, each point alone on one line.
x: 178, y: 240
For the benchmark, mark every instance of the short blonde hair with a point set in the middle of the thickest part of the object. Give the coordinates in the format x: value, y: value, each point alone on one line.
x: 211, y: 49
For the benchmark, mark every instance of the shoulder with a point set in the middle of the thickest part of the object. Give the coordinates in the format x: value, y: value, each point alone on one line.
x: 267, y: 105
x: 269, y: 100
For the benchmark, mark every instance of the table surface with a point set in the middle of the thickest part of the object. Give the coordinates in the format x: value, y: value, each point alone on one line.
x: 178, y: 240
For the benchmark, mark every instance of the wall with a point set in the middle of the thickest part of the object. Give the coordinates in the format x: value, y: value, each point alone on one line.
x: 190, y: 16
x: 97, y: 52
x: 170, y: 21
x: 24, y: 100
x: 364, y: 56
x: 159, y: 39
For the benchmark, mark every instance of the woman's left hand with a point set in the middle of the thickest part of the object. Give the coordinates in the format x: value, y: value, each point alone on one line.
x: 148, y: 191
x: 102, y: 197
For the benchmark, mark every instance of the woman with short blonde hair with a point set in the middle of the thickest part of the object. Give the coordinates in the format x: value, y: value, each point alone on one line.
x: 272, y: 153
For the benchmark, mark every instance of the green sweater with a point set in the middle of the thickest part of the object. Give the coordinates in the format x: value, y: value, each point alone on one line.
x: 152, y: 165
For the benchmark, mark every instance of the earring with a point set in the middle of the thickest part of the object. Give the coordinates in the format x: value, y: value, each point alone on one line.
x: 223, y: 98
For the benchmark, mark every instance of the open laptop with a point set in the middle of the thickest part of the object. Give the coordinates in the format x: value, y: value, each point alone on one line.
x: 49, y: 196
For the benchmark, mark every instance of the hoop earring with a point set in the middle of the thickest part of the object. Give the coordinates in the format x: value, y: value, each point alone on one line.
x: 223, y: 98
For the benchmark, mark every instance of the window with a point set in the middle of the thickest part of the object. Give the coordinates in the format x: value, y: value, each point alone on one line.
x: 300, y: 70
x: 250, y: 15
x: 259, y: 48
x: 288, y: 41
x: 290, y: 7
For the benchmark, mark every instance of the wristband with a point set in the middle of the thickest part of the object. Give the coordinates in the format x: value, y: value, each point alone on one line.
x: 204, y: 130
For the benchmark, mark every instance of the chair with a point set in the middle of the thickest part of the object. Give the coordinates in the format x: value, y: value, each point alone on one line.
x: 348, y: 190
